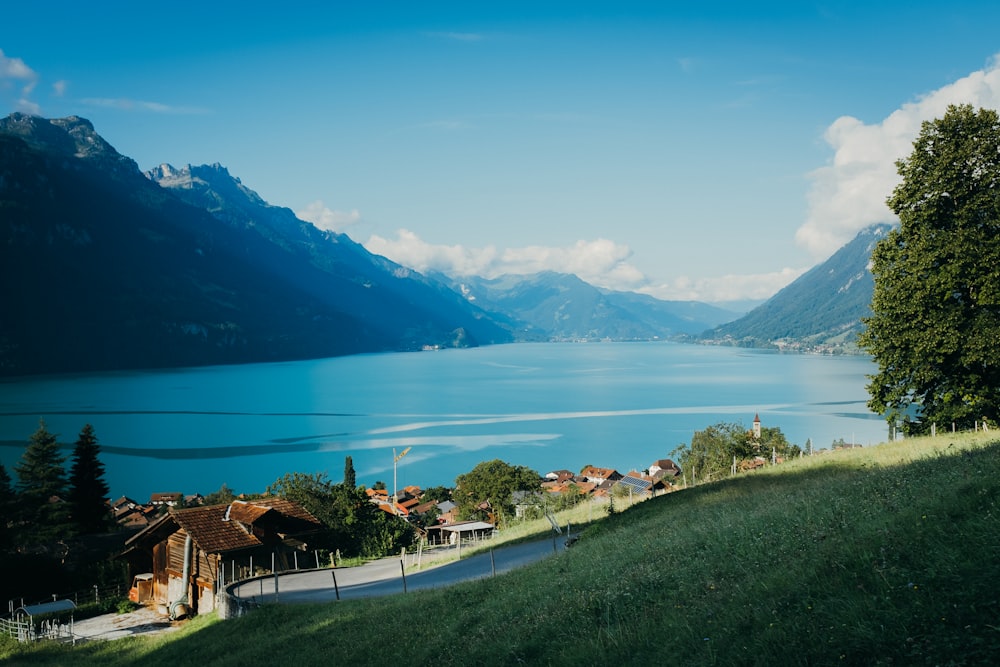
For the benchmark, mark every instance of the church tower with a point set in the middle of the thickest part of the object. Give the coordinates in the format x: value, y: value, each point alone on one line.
x: 756, y: 427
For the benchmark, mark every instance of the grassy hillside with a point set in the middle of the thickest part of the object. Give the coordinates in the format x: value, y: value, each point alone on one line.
x: 881, y: 555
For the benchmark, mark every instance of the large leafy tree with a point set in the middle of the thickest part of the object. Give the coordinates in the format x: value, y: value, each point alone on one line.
x: 88, y: 492
x: 936, y: 306
x: 41, y: 487
x: 353, y: 524
x: 713, y: 450
x: 488, y: 489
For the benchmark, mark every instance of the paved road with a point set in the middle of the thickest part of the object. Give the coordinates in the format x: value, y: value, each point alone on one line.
x: 384, y: 577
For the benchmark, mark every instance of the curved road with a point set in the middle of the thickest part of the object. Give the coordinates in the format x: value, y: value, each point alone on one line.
x: 384, y: 577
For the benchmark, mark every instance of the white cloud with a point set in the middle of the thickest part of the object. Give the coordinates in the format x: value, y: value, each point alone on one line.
x: 724, y: 288
x: 15, y: 68
x: 600, y: 262
x: 29, y: 107
x: 59, y: 87
x: 850, y: 193
x: 125, y: 104
x: 325, y: 218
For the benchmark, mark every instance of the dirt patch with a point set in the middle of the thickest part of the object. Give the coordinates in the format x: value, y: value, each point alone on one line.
x: 143, y: 621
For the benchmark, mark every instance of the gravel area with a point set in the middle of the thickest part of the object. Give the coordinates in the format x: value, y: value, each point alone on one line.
x: 143, y: 621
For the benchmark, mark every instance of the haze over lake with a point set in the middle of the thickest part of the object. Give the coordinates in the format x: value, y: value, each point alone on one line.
x: 547, y: 406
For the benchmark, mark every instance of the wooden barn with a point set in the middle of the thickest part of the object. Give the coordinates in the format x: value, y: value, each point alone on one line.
x: 186, y: 549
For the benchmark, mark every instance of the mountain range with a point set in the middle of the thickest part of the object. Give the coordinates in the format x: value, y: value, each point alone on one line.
x: 104, y: 267
x: 821, y: 310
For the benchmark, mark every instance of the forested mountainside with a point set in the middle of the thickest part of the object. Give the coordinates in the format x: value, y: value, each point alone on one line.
x: 821, y: 310
x: 102, y: 268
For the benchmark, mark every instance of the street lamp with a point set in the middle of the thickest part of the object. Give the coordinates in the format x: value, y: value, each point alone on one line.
x: 395, y: 459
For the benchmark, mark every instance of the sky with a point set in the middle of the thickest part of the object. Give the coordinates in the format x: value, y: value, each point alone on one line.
x: 709, y: 151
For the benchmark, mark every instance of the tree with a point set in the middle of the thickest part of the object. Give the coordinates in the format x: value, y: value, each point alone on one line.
x: 713, y: 450
x: 88, y: 492
x: 489, y: 489
x: 353, y: 524
x: 223, y: 496
x: 8, y: 504
x: 936, y: 305
x: 350, y: 477
x: 41, y: 486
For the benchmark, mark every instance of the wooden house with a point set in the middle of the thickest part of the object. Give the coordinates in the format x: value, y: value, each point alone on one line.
x: 189, y: 550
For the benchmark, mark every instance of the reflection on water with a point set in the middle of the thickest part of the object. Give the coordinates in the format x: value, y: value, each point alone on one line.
x: 547, y: 406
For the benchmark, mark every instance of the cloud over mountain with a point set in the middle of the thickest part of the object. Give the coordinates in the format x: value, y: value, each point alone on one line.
x: 850, y: 192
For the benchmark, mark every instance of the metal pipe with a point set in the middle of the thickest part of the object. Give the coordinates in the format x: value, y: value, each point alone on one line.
x: 179, y: 608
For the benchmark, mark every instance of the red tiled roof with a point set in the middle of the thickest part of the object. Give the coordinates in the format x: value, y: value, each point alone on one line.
x: 225, y: 528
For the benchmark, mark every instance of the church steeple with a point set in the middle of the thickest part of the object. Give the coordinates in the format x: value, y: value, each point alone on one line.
x: 756, y: 426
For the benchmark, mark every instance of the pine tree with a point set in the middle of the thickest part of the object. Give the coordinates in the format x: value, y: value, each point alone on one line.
x: 88, y: 492
x: 350, y: 477
x: 8, y: 504
x: 41, y: 485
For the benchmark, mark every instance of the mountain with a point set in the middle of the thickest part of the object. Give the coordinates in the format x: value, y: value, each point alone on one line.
x: 820, y: 310
x: 558, y: 306
x: 103, y: 268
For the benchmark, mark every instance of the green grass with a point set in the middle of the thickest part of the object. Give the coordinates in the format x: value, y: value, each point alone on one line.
x: 876, y: 555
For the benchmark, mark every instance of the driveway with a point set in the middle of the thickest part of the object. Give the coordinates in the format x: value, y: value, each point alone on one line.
x: 385, y: 576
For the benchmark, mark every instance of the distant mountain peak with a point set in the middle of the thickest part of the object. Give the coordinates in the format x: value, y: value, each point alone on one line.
x: 206, y: 178
x: 72, y: 136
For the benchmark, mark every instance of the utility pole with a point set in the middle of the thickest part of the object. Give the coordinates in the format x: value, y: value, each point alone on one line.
x: 395, y: 460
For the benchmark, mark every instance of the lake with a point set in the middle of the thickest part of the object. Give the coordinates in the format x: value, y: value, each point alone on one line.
x: 547, y: 406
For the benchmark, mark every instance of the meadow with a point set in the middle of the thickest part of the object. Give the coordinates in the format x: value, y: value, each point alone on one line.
x: 877, y: 555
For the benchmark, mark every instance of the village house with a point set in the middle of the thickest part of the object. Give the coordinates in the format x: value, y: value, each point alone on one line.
x: 168, y: 499
x: 186, y: 550
x: 600, y: 475
x: 664, y: 468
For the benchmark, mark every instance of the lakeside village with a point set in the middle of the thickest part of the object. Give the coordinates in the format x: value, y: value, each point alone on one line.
x: 591, y: 482
x: 184, y: 552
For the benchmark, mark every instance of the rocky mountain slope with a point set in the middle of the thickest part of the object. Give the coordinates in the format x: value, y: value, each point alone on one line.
x: 102, y: 268
x: 819, y: 311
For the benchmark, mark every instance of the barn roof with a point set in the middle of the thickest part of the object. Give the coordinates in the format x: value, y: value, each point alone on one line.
x: 227, y: 528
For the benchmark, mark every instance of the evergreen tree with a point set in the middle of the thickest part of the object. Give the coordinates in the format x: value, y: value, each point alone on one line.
x: 8, y: 505
x: 350, y: 477
x: 936, y: 305
x: 88, y: 492
x: 41, y: 485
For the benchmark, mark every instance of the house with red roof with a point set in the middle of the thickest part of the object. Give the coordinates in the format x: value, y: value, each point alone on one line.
x: 188, y: 550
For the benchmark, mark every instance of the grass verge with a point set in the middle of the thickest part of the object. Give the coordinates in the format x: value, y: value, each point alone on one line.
x: 876, y: 555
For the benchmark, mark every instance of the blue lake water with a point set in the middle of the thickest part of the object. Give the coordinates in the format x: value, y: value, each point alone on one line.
x: 547, y: 406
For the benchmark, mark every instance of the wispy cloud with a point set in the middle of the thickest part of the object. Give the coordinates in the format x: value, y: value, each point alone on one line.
x: 730, y: 287
x: 126, y: 104
x: 15, y: 68
x: 601, y: 262
x: 15, y: 71
x: 328, y: 219
x: 850, y: 192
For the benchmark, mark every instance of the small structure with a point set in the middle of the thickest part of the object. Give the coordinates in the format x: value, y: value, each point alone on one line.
x: 664, y: 468
x: 599, y: 475
x: 465, y: 530
x: 25, y: 618
x: 185, y: 550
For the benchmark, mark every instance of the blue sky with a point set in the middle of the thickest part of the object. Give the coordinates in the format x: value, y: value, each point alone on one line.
x: 710, y: 151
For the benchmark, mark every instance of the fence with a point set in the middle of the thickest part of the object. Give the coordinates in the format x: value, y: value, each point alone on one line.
x: 93, y: 594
